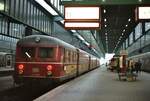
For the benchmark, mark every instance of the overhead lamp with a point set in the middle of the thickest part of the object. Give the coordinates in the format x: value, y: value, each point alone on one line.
x: 105, y: 25
x: 105, y: 33
x: 80, y: 37
x: 47, y: 7
x: 126, y: 25
x: 105, y: 19
x: 73, y: 31
x: 62, y: 21
x: 1, y: 7
x: 122, y: 33
x: 124, y: 30
x: 129, y: 19
x: 87, y: 43
x: 104, y: 10
x: 140, y: 0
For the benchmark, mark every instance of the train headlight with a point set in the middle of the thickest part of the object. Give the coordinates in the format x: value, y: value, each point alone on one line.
x: 21, y: 67
x: 20, y: 71
x: 49, y: 67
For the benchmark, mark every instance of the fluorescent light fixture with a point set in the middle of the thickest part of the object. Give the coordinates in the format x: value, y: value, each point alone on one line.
x: 87, y: 43
x: 73, y: 31
x: 140, y: 0
x: 129, y: 19
x: 62, y: 21
x: 79, y: 36
x: 47, y: 7
x: 82, y: 13
x: 82, y: 24
x: 1, y: 7
x: 144, y: 12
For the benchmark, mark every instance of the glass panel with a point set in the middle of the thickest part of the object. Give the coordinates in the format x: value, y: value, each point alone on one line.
x: 131, y: 38
x: 25, y: 11
x: 31, y: 15
x: 27, y: 52
x: 7, y: 5
x: 16, y: 8
x: 126, y: 43
x: 138, y: 31
x: 2, y: 5
x: 147, y: 39
x: 28, y: 13
x: 12, y: 9
x: 46, y: 52
x: 21, y: 9
x: 147, y: 26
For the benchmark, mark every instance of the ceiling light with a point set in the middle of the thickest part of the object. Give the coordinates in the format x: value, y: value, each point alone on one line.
x: 62, y: 21
x: 104, y: 10
x: 1, y: 7
x: 140, y: 0
x: 105, y: 25
x: 122, y: 33
x: 47, y: 7
x: 103, y: 0
x: 105, y: 19
x: 105, y: 33
x: 126, y: 25
x: 73, y: 31
x: 124, y: 30
x: 129, y: 19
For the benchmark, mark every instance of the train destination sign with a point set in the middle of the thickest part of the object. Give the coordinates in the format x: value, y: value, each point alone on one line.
x: 82, y: 17
x: 103, y: 2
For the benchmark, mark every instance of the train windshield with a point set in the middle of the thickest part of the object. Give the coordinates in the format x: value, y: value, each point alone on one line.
x: 27, y: 52
x: 46, y: 52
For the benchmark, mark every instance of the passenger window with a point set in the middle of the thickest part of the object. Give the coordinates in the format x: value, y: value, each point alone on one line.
x: 46, y: 52
x: 27, y: 52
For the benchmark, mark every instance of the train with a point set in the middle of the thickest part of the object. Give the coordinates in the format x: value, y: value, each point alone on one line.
x: 6, y: 60
x: 48, y: 59
x: 144, y: 58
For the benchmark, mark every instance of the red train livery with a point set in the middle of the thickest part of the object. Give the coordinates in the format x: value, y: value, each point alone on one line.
x: 40, y: 57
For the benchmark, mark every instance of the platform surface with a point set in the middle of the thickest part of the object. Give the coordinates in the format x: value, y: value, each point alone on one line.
x: 101, y: 85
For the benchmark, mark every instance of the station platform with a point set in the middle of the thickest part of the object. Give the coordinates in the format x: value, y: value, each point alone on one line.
x: 6, y: 71
x: 101, y: 85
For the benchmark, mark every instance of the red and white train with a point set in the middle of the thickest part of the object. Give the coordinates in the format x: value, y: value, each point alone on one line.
x: 40, y: 57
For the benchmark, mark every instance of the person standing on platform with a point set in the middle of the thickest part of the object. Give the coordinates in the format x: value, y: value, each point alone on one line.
x: 138, y: 66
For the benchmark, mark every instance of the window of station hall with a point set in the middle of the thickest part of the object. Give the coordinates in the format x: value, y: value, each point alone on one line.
x: 147, y: 26
x: 138, y: 31
x: 131, y: 38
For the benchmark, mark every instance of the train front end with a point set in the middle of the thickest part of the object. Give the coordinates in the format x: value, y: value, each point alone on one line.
x: 37, y: 62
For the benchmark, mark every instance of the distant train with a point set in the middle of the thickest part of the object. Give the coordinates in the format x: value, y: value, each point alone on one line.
x: 44, y: 58
x: 6, y: 60
x: 144, y: 59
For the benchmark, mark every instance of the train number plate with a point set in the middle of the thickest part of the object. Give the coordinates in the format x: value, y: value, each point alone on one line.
x: 35, y: 70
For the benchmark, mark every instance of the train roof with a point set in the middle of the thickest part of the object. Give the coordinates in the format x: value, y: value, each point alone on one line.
x: 35, y: 40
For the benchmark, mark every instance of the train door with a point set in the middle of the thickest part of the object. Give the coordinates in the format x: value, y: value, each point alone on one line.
x: 8, y: 61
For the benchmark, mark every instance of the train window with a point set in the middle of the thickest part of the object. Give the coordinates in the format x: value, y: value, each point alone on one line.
x: 46, y: 52
x: 28, y: 52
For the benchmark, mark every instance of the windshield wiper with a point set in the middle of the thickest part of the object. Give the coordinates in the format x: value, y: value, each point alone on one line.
x: 27, y: 54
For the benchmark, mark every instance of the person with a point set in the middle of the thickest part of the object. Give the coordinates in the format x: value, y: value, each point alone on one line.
x: 138, y: 66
